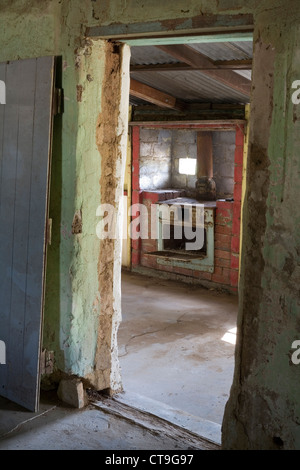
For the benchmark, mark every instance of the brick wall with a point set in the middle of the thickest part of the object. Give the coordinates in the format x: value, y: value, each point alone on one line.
x: 225, y: 261
x: 227, y: 231
x: 155, y: 158
x: 161, y: 149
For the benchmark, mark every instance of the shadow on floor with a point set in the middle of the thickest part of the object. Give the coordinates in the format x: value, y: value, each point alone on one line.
x: 175, y: 345
x: 98, y: 426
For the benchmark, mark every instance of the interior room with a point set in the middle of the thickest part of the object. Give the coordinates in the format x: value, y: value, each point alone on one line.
x: 184, y: 154
x: 149, y: 244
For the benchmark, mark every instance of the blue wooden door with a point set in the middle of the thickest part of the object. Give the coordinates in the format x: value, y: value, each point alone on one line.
x: 25, y: 148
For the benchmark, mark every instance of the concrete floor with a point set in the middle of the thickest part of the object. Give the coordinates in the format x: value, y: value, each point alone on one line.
x: 59, y: 427
x: 175, y: 367
x: 171, y: 348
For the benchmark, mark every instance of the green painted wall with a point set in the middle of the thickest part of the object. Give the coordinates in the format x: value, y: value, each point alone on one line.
x: 72, y: 304
x: 72, y: 298
x: 264, y: 406
x: 72, y: 301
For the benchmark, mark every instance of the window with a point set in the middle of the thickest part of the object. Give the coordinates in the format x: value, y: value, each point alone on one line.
x: 187, y: 166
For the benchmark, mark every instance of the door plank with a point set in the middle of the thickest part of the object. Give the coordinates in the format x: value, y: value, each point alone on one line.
x: 38, y: 216
x: 25, y: 141
x: 21, y: 208
x: 7, y: 191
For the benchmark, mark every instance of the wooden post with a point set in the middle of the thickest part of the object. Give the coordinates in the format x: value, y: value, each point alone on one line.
x: 206, y: 186
x: 204, y: 155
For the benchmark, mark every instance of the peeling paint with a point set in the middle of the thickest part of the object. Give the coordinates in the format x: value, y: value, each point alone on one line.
x: 265, y: 380
x: 111, y: 141
x: 82, y: 309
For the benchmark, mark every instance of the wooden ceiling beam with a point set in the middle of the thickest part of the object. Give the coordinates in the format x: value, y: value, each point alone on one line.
x: 195, y: 59
x: 220, y: 64
x: 243, y: 64
x: 187, y: 54
x: 160, y: 67
x: 154, y: 96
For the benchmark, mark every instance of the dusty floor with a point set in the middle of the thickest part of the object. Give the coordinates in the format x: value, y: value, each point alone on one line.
x: 177, y: 372
x: 96, y: 427
x: 171, y: 347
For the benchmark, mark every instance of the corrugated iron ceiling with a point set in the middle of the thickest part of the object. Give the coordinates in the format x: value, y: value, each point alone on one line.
x: 192, y: 85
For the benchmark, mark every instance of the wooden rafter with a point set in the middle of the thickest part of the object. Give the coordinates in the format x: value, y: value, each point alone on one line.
x: 220, y: 64
x: 243, y: 64
x: 195, y: 59
x: 152, y: 95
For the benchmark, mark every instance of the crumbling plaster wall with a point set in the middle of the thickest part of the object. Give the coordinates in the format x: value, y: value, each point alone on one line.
x: 79, y: 311
x: 264, y: 406
x: 266, y: 381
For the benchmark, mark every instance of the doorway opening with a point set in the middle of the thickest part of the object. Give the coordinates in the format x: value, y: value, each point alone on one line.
x: 189, y: 100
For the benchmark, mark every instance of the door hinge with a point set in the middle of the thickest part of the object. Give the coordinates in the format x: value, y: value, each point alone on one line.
x: 58, y: 101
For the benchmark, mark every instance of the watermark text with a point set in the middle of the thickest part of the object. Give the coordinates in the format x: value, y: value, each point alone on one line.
x: 164, y: 221
x: 2, y: 92
x: 2, y: 353
x: 296, y: 354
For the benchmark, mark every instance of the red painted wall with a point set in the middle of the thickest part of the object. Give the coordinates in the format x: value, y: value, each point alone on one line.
x: 227, y: 224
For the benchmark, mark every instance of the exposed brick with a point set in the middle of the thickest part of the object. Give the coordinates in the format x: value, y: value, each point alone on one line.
x: 238, y: 173
x: 234, y: 277
x: 222, y: 241
x: 237, y: 210
x: 239, y: 155
x: 225, y: 229
x: 222, y: 236
x: 136, y: 196
x: 237, y: 192
x: 218, y: 271
x: 226, y: 273
x: 235, y: 244
x: 224, y: 205
x: 184, y: 271
x: 135, y: 258
x: 222, y: 221
x: 222, y: 278
x: 163, y: 267
x: 136, y: 135
x: 149, y: 261
x: 151, y: 242
x: 235, y: 261
x: 224, y: 263
x: 217, y: 278
x: 239, y: 136
x: 202, y: 275
x: 236, y: 226
x: 136, y: 245
x: 222, y: 254
x: 239, y: 166
x: 224, y: 212
x: 149, y: 245
x: 152, y: 197
x: 136, y: 180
